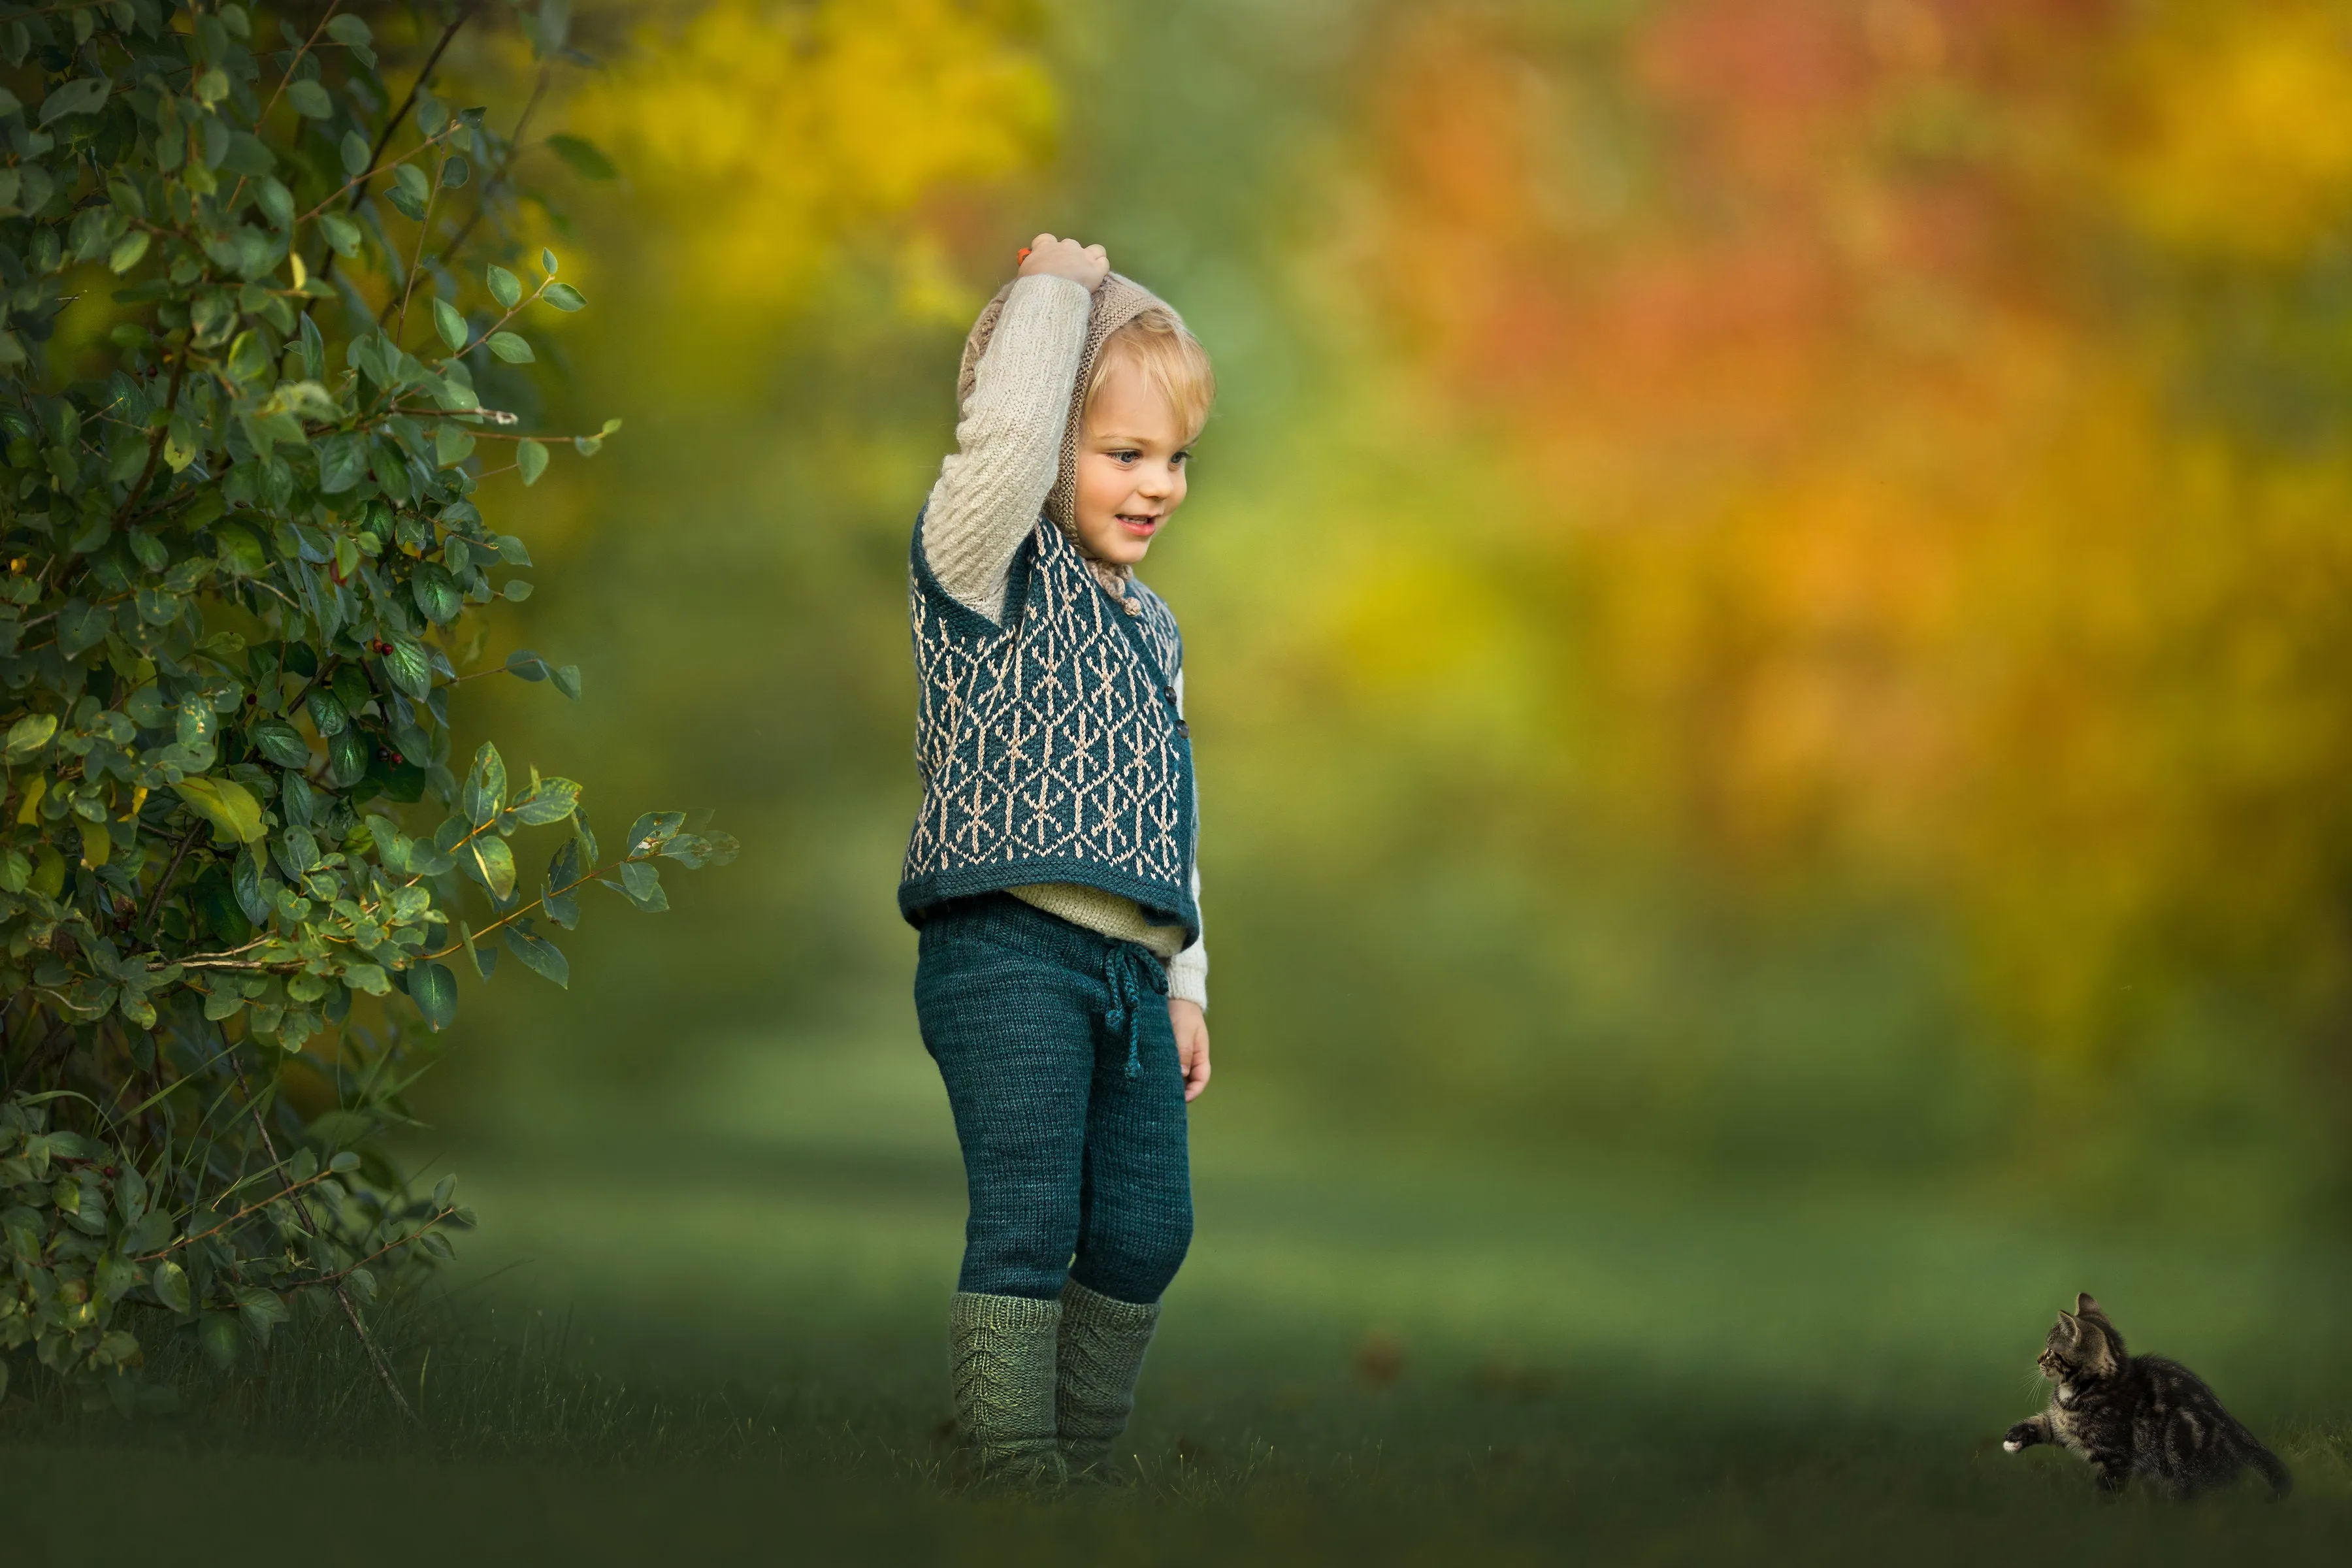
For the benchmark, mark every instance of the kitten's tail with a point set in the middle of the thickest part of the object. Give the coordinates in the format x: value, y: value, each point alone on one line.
x: 2272, y: 1467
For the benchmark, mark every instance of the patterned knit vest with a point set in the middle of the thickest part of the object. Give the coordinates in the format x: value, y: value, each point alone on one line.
x: 1050, y: 747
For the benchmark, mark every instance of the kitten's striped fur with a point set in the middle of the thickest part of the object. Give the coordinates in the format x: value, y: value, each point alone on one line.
x: 2137, y: 1415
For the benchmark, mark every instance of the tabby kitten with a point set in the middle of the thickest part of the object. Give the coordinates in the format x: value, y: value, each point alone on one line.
x: 2137, y: 1415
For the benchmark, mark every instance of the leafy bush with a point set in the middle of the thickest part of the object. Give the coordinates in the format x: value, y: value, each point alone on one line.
x: 244, y: 569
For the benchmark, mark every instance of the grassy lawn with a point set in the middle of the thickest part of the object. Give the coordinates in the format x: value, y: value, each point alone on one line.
x: 1375, y: 1354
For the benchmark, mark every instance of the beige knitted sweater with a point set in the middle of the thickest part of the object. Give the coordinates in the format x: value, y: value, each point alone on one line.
x: 1010, y: 449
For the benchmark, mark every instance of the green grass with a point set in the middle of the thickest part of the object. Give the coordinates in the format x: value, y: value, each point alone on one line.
x: 722, y: 1334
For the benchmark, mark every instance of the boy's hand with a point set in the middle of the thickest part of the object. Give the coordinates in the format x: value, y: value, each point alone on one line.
x: 1191, y: 1028
x: 1084, y: 265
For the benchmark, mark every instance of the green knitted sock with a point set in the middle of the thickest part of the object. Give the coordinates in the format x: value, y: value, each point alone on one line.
x: 1005, y: 1354
x: 1103, y: 1341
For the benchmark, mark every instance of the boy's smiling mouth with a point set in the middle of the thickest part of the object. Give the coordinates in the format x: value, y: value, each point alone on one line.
x: 1142, y: 524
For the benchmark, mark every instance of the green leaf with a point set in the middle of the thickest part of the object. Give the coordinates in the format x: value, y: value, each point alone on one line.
x: 558, y: 895
x: 567, y: 680
x: 528, y: 664
x: 170, y: 1283
x: 486, y: 786
x: 342, y: 463
x: 327, y: 715
x: 81, y: 628
x: 511, y: 347
x: 217, y: 1336
x: 240, y: 551
x: 486, y: 961
x: 553, y: 800
x: 435, y: 990
x: 651, y: 831
x: 82, y: 97
x: 540, y: 956
x: 29, y: 734
x: 435, y: 593
x: 354, y: 151
x: 587, y: 160
x: 505, y: 287
x: 564, y: 296
x: 456, y: 172
x: 641, y: 880
x: 347, y: 757
x: 281, y: 743
x: 410, y: 672
x: 531, y: 460
x: 234, y: 815
x: 492, y: 859
x: 342, y: 234
x: 547, y: 262
x: 128, y: 251
x: 262, y: 1311
x: 348, y: 31
x: 249, y: 155
x: 450, y: 325
x: 310, y: 101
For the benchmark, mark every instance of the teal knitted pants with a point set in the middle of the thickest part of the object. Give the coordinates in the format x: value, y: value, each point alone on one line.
x: 1061, y: 1070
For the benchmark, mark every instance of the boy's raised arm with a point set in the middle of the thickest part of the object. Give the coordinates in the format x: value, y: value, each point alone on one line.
x: 1009, y: 431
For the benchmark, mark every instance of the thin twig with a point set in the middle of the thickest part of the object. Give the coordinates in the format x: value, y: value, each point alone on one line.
x: 392, y: 121
x: 291, y: 65
x: 163, y: 885
x: 302, y: 1209
x: 290, y: 1189
x: 155, y: 442
x: 372, y: 171
x: 491, y: 182
x: 339, y: 1275
x: 416, y: 258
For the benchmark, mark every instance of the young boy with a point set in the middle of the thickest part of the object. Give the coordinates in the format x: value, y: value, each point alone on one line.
x: 1051, y: 870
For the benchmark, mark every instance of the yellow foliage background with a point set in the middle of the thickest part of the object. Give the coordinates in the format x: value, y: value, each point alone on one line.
x: 1763, y: 570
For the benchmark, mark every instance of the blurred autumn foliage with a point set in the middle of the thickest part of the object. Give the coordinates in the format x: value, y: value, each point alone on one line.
x: 1931, y: 426
x: 1769, y: 574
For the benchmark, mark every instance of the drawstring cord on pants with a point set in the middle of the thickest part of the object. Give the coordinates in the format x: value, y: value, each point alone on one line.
x: 1127, y: 989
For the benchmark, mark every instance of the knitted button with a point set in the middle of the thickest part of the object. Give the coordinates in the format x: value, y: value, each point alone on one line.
x: 1133, y: 606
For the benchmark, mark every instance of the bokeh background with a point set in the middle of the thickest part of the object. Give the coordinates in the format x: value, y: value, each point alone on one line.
x: 1767, y: 600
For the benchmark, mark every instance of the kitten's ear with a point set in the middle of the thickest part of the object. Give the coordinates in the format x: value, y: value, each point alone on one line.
x: 2072, y: 1330
x: 2085, y: 1307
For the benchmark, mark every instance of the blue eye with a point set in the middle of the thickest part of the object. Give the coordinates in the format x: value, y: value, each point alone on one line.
x: 1179, y: 459
x: 1127, y: 454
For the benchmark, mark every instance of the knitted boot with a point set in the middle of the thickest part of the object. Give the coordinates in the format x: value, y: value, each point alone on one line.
x: 1103, y: 1341
x: 1004, y: 1349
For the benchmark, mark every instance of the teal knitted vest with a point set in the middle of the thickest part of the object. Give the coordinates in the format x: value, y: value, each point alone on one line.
x: 1050, y: 746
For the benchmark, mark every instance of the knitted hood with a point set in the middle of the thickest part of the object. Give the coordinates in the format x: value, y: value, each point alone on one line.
x: 1117, y: 301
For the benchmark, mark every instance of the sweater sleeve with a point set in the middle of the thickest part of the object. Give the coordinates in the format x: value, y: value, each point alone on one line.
x: 1188, y: 971
x: 1008, y: 441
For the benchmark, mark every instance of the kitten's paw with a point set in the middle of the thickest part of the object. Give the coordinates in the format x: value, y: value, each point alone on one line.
x: 2011, y: 1445
x: 2024, y: 1435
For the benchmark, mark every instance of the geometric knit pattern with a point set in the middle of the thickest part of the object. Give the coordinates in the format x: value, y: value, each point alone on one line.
x: 1004, y: 1350
x: 1050, y: 748
x: 1099, y: 1358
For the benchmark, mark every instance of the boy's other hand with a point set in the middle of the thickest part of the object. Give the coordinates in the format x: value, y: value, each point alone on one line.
x: 1191, y: 1028
x: 1084, y: 265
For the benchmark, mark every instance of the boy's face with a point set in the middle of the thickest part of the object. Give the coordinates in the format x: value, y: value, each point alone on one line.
x: 1132, y: 459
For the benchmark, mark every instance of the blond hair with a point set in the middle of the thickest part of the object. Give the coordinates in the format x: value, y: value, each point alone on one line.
x: 1169, y: 357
